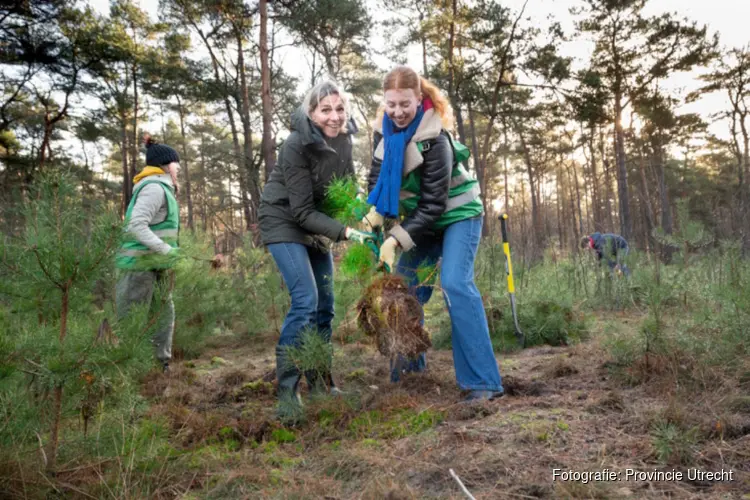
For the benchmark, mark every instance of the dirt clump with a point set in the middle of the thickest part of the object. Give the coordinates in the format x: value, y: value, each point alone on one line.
x: 234, y: 378
x: 561, y: 368
x: 472, y: 412
x: 392, y: 316
x: 612, y: 401
x: 517, y: 387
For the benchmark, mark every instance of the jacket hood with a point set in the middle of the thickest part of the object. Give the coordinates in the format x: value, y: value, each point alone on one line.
x: 164, y: 178
x: 309, y: 133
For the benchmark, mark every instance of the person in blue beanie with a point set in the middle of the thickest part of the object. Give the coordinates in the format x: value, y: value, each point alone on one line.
x: 415, y: 176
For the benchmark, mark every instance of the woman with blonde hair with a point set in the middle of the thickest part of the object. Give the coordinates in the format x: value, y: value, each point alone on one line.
x: 298, y: 235
x: 415, y: 177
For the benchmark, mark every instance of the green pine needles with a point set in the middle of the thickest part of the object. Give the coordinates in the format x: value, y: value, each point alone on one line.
x: 342, y: 203
x: 313, y: 353
x: 358, y: 261
x: 61, y: 360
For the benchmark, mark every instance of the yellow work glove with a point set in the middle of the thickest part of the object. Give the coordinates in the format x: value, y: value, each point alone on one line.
x: 388, y: 253
x: 372, y: 220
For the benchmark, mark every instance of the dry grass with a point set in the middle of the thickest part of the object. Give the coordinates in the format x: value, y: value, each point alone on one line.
x: 564, y: 408
x: 562, y: 367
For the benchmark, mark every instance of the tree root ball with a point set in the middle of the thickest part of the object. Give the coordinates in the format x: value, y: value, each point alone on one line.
x: 391, y: 315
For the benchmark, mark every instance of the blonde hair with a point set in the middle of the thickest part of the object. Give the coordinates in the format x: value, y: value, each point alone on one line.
x: 402, y: 78
x: 319, y: 92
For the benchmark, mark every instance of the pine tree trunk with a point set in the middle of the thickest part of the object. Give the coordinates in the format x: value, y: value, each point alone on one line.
x: 249, y: 166
x: 245, y: 199
x: 595, y: 199
x: 608, y: 181
x: 204, y: 182
x: 242, y: 178
x: 506, y: 145
x: 460, y: 128
x: 478, y: 167
x: 452, y: 87
x: 578, y: 200
x: 57, y: 408
x: 622, y: 172
x: 586, y: 205
x: 184, y: 165
x: 47, y: 133
x: 163, y: 123
x: 537, y: 230
x: 134, y: 144
x: 127, y: 180
x: 524, y: 225
x: 575, y: 198
x: 229, y: 197
x: 545, y: 224
x: 648, y: 209
x: 474, y: 145
x: 267, y: 145
x: 744, y: 187
x: 480, y: 170
x: 560, y: 205
x: 666, y: 210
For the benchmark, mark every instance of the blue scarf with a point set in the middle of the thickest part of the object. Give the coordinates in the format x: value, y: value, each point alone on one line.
x: 385, y: 196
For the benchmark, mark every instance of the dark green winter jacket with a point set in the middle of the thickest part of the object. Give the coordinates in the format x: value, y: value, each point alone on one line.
x: 308, y: 161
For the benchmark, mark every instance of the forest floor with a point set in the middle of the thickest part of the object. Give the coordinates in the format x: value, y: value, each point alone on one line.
x: 564, y: 409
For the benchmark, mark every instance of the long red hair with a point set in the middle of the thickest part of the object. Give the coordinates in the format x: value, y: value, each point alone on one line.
x: 402, y: 78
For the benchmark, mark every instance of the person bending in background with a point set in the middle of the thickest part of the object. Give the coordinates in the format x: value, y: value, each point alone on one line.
x: 610, y: 248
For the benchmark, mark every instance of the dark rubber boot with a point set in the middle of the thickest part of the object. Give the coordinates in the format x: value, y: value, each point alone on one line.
x: 289, y: 409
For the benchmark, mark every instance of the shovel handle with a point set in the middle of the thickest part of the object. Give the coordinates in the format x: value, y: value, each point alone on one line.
x: 511, y: 285
x: 506, y: 250
x: 504, y: 227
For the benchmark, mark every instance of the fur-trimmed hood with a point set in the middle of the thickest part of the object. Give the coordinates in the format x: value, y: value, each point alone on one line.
x: 429, y: 128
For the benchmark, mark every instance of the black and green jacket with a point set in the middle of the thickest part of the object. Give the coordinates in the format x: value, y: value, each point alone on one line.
x: 308, y: 162
x: 436, y: 190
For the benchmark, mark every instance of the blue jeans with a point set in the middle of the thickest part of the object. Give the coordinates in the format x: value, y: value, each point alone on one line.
x: 473, y: 357
x: 308, y: 275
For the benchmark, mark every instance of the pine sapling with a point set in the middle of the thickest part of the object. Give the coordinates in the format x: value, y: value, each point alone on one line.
x: 342, y: 201
x: 358, y: 261
x: 59, y: 254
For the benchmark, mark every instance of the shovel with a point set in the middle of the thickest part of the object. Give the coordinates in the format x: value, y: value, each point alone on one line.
x: 509, y: 272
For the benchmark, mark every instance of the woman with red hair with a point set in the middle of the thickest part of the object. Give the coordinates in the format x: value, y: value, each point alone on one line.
x: 416, y: 179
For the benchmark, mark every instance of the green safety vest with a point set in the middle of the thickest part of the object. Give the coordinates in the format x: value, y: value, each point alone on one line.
x: 134, y: 255
x: 464, y: 196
